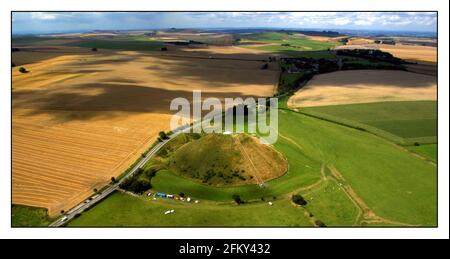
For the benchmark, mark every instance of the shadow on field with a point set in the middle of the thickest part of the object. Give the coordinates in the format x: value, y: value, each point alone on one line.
x: 366, y: 78
x: 218, y: 71
x: 102, y: 100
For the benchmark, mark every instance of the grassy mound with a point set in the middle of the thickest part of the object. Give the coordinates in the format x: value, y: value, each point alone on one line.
x: 220, y: 160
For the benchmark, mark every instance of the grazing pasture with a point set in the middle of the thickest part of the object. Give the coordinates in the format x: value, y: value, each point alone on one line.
x: 429, y: 151
x: 135, y: 211
x: 412, y: 121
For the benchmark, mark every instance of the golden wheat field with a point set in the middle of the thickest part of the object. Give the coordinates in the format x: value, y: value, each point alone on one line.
x: 364, y: 86
x: 403, y: 51
x: 79, y: 119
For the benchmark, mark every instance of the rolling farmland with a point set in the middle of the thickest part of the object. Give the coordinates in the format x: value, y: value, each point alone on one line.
x: 81, y: 118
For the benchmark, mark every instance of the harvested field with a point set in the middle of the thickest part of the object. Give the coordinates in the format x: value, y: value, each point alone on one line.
x: 364, y: 86
x: 408, y: 52
x: 412, y: 52
x: 359, y: 41
x: 80, y: 119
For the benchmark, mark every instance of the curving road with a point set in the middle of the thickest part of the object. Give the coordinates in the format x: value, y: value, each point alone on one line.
x: 111, y: 188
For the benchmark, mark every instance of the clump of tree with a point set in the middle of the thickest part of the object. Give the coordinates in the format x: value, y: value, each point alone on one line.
x: 371, y: 54
x: 162, y: 135
x: 237, y: 199
x: 140, y: 181
x: 23, y: 70
x: 298, y: 199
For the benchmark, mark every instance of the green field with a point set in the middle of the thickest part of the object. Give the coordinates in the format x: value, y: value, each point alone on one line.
x: 403, y: 122
x: 23, y: 216
x: 396, y: 185
x: 429, y: 151
x: 287, y: 44
x: 124, y: 210
x: 330, y: 204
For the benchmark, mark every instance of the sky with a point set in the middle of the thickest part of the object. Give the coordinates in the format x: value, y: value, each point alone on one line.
x: 53, y: 22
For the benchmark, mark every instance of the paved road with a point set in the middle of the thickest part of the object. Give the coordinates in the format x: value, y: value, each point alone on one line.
x: 111, y: 188
x: 80, y: 208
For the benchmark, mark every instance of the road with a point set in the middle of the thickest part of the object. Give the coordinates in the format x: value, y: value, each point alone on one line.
x: 111, y: 188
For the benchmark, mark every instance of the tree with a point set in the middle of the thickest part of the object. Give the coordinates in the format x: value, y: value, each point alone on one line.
x: 163, y: 135
x: 13, y: 64
x: 23, y: 70
x: 298, y: 199
x: 164, y: 49
x: 95, y: 190
x: 94, y: 49
x: 62, y: 211
x: 237, y: 199
x: 181, y: 194
x: 113, y: 180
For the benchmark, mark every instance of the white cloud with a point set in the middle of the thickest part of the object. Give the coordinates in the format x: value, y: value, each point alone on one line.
x: 43, y: 16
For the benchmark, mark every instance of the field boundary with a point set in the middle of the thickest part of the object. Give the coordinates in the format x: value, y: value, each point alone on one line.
x: 367, y: 128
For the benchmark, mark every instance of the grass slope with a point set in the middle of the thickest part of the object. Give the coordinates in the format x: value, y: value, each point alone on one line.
x: 394, y: 184
x: 224, y: 160
x: 409, y: 120
x: 24, y: 216
x: 429, y: 151
x: 331, y: 205
x: 124, y: 210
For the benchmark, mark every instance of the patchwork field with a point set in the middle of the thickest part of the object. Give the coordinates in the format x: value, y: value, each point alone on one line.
x: 286, y: 44
x: 81, y: 118
x: 363, y: 86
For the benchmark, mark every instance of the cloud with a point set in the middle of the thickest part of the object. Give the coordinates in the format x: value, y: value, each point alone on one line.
x: 79, y: 21
x: 43, y: 16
